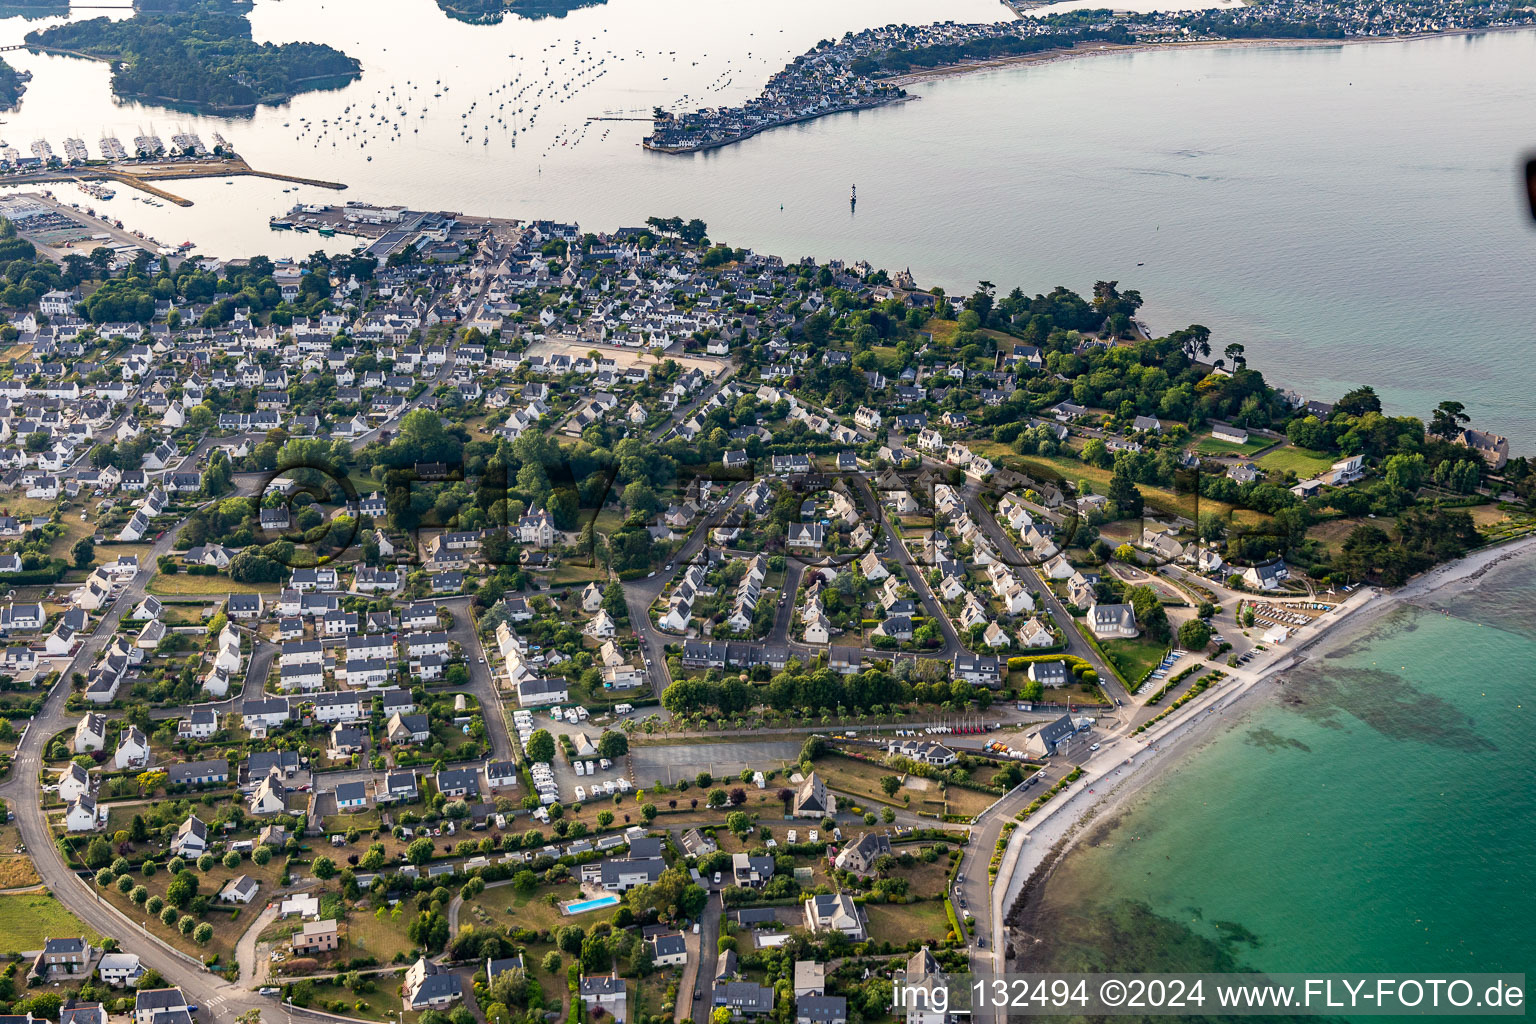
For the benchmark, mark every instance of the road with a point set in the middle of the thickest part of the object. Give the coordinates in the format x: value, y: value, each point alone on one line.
x: 709, y: 941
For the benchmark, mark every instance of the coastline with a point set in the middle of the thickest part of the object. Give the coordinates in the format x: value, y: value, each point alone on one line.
x: 1100, y: 49
x: 1034, y: 852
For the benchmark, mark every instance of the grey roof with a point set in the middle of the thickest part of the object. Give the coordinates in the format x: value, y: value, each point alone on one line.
x: 821, y: 1009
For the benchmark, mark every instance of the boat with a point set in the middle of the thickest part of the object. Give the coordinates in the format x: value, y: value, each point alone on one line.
x: 282, y: 225
x: 326, y: 232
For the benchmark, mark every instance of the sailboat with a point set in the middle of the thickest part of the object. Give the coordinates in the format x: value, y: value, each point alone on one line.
x: 853, y: 198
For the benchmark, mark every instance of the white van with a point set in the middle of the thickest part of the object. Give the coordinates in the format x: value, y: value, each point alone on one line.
x: 605, y: 764
x: 581, y: 794
x: 623, y: 709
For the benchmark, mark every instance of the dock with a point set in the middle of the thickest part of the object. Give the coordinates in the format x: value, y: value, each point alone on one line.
x: 142, y: 175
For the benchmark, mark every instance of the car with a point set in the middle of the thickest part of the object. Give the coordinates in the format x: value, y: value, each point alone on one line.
x: 1094, y: 747
x: 649, y: 575
x: 269, y: 990
x: 717, y: 878
x: 981, y: 942
x: 669, y: 567
x: 1119, y: 703
x: 959, y: 878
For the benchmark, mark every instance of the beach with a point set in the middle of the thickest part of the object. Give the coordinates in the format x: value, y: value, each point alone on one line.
x: 1128, y: 765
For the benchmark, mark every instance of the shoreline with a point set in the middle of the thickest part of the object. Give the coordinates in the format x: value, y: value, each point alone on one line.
x: 1034, y: 852
x: 1095, y: 50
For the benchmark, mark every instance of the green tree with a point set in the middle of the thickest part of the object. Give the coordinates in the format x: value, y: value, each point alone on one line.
x: 541, y: 746
x: 1194, y: 635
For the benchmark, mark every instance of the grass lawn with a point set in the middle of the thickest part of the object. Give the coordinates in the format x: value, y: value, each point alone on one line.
x: 26, y: 919
x: 1208, y: 445
x: 1303, y: 462
x: 923, y: 879
x: 367, y: 935
x: 506, y: 906
x: 900, y: 923
x: 374, y: 1005
x: 181, y: 583
x: 573, y: 572
x: 967, y: 801
x: 856, y: 778
x: 1134, y: 658
x: 1062, y: 468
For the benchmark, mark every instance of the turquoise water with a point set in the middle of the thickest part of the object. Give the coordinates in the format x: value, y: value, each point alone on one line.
x: 597, y: 903
x: 1379, y: 817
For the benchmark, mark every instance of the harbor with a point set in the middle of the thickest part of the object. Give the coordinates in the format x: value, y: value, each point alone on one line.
x: 142, y: 175
x: 59, y: 229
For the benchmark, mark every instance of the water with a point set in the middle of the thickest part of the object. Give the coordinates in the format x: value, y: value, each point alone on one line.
x: 1378, y: 818
x: 597, y: 903
x: 1348, y: 213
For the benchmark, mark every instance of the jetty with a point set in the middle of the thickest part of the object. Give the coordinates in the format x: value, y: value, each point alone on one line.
x: 142, y: 176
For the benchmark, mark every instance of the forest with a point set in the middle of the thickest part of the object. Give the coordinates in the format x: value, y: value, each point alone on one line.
x: 490, y: 12
x: 12, y: 84
x: 200, y: 53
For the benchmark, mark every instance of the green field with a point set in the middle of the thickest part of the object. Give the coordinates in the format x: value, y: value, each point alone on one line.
x: 1302, y: 461
x: 26, y: 919
x: 1210, y: 446
x: 1063, y: 468
x: 1134, y: 658
x: 904, y: 922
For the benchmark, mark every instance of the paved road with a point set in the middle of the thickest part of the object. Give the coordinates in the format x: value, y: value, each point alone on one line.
x: 709, y: 939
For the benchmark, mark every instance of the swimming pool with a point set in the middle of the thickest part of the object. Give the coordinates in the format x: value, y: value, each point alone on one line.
x: 597, y: 903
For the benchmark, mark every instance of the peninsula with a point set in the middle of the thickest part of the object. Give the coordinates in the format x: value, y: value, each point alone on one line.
x: 491, y: 12
x: 667, y: 579
x: 12, y: 84
x: 199, y: 54
x: 865, y: 69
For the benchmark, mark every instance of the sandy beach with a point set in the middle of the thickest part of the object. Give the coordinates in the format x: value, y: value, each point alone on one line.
x: 1129, y: 764
x: 1100, y: 49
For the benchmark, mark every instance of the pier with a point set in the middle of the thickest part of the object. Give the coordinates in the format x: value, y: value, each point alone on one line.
x: 142, y: 175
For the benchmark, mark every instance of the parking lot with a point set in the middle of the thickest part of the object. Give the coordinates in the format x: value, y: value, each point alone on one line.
x: 672, y: 761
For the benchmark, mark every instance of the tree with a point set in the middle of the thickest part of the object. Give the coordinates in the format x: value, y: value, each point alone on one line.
x: 84, y: 552
x: 182, y: 889
x: 889, y: 784
x: 612, y: 744
x: 97, y: 853
x: 202, y: 933
x: 232, y: 859
x: 525, y: 881
x: 738, y: 823
x: 541, y: 746
x: 1194, y: 635
x: 1447, y: 419
x: 419, y: 852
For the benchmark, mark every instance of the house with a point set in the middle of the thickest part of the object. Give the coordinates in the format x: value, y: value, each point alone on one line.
x: 859, y: 856
x: 151, y: 1002
x: 119, y: 969
x: 408, y: 729
x: 980, y: 669
x: 621, y: 875
x: 810, y: 979
x: 1494, y: 448
x: 245, y: 606
x: 926, y: 990
x: 352, y: 796
x: 924, y: 752
x: 668, y: 950
x: 743, y: 998
x: 1044, y: 740
x: 346, y: 740
x: 606, y: 993
x: 821, y: 1010
x: 1228, y: 433
x: 269, y: 796
x: 456, y: 782
x: 318, y: 937
x: 81, y: 814
x: 428, y: 986
x: 834, y: 912
x: 1109, y: 621
x: 399, y: 786
x: 198, y: 773
x: 132, y: 749
x: 240, y: 889
x: 74, y: 782
x: 1266, y: 575
x: 62, y: 957
x: 538, y: 691
x: 1049, y: 674
x: 751, y: 871
x: 191, y: 839
x: 501, y: 774
x: 813, y: 799
x: 91, y: 733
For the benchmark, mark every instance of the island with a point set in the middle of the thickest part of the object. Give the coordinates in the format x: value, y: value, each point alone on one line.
x: 12, y: 84
x: 491, y: 12
x: 199, y: 54
x: 869, y: 68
